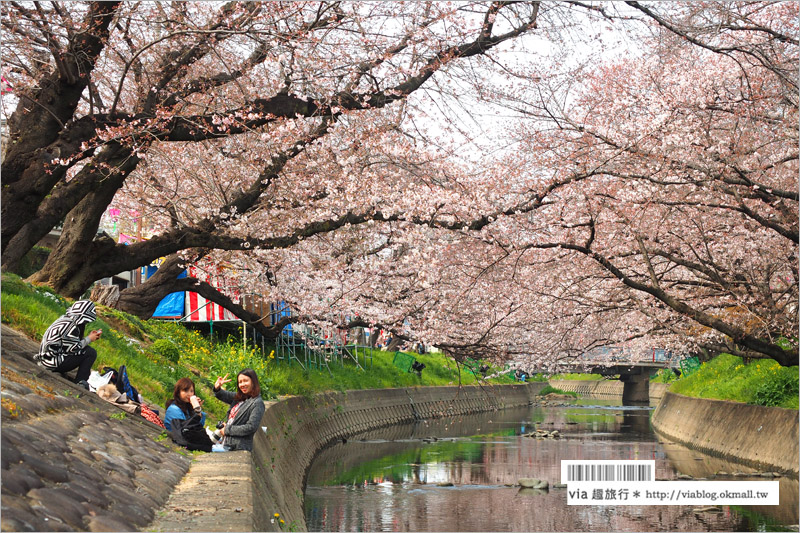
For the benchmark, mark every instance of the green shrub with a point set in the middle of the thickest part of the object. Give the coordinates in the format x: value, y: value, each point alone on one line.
x: 665, y: 375
x: 166, y: 349
x: 786, y: 344
x: 778, y: 390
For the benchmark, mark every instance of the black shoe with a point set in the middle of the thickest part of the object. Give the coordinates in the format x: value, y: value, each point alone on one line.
x: 83, y: 383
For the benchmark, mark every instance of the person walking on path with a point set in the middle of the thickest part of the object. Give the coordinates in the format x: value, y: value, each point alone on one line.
x: 245, y: 414
x: 64, y: 347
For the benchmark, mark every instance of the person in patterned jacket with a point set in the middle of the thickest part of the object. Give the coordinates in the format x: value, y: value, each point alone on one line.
x: 64, y: 347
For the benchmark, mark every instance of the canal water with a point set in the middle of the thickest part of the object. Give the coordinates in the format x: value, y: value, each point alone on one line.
x: 459, y: 474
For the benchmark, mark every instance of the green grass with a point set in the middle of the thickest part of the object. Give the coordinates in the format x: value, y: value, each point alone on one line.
x: 552, y: 390
x: 665, y: 375
x: 726, y: 377
x: 158, y: 353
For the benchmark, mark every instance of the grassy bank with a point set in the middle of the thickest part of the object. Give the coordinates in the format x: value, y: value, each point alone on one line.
x: 553, y: 390
x: 726, y: 377
x: 158, y: 353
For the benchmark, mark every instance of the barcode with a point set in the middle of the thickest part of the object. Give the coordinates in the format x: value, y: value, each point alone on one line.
x: 607, y: 471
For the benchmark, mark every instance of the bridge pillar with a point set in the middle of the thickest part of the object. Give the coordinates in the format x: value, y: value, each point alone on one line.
x: 636, y: 389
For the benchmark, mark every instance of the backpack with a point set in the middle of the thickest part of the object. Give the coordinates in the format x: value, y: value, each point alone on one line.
x: 124, y: 385
x: 190, y: 434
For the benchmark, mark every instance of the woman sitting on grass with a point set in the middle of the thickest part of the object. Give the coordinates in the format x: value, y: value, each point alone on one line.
x: 181, y: 407
x: 244, y: 416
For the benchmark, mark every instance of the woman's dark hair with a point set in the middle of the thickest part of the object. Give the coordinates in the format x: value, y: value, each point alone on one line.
x: 255, y: 390
x: 182, y: 385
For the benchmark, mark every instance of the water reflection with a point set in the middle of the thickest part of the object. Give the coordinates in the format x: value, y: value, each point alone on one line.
x: 459, y: 475
x: 700, y: 465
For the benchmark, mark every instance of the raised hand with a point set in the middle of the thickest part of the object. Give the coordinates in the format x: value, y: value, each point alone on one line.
x: 220, y: 382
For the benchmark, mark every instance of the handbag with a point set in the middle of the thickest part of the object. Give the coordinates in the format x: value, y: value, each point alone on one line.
x: 190, y: 434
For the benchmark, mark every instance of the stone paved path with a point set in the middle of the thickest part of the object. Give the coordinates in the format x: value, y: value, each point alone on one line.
x: 70, y: 460
x: 216, y: 495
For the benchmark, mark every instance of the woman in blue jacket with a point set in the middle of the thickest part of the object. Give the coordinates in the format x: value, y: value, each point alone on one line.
x: 180, y: 406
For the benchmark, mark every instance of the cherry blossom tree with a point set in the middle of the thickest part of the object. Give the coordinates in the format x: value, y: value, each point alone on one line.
x: 670, y: 218
x: 200, y: 121
x: 642, y: 198
x: 153, y: 75
x: 693, y: 202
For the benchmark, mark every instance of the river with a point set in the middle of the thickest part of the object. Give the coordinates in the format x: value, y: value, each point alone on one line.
x: 459, y: 474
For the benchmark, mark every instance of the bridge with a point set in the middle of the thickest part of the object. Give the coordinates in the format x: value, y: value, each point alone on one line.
x: 633, y: 372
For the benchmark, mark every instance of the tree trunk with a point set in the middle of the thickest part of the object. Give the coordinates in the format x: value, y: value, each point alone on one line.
x: 78, y: 261
x: 74, y: 274
x: 143, y: 299
x: 29, y: 172
x: 74, y: 263
x: 107, y: 295
x: 65, y: 198
x: 394, y: 344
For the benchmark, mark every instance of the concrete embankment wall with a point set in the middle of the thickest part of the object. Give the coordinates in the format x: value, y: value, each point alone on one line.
x: 295, y: 430
x: 604, y: 388
x: 299, y: 428
x: 762, y: 437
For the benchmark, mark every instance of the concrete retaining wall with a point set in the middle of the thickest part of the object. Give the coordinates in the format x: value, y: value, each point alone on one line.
x: 762, y: 437
x: 604, y: 388
x: 658, y: 390
x: 295, y: 430
x: 299, y: 428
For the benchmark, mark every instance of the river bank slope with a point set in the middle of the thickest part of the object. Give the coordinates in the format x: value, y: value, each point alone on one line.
x: 762, y: 437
